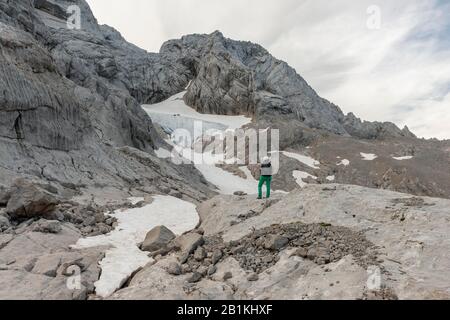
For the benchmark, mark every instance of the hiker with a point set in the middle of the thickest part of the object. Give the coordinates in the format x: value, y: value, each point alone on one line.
x: 266, y: 177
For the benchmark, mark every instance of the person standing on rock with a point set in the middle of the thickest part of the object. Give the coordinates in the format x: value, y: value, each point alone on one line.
x: 266, y: 177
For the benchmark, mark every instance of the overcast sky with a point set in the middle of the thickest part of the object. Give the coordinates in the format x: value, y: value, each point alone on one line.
x: 395, y: 70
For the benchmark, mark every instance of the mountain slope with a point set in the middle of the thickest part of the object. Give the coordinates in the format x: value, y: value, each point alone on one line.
x: 67, y: 115
x: 235, y: 77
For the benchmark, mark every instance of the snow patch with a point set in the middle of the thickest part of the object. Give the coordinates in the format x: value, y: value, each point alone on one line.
x: 344, y: 162
x: 226, y: 182
x: 124, y: 256
x: 174, y: 113
x: 310, y: 162
x: 300, y: 175
x: 135, y: 200
x: 403, y: 158
x: 331, y: 178
x: 163, y: 153
x: 368, y: 156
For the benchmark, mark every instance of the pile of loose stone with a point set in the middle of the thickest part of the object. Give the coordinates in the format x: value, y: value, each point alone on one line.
x: 259, y: 251
x: 320, y: 243
x: 29, y: 202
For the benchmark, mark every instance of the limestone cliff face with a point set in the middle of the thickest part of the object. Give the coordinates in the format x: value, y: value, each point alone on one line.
x: 70, y: 102
x: 47, y: 99
x: 234, y: 77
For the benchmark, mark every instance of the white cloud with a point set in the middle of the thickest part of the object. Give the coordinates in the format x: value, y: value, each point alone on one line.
x: 388, y: 74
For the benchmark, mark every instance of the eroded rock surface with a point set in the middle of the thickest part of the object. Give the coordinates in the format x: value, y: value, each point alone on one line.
x: 343, y: 242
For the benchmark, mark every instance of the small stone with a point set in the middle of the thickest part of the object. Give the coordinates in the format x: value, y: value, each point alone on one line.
x: 202, y: 270
x: 253, y: 277
x: 89, y: 221
x: 276, y: 242
x: 174, y: 269
x: 320, y: 261
x: 103, y: 228
x: 185, y: 268
x: 183, y: 258
x: 4, y: 223
x: 238, y: 250
x: 301, y: 252
x: 228, y: 275
x: 10, y: 262
x: 99, y: 217
x: 87, y: 230
x: 200, y: 254
x: 326, y: 258
x: 196, y: 277
x: 217, y: 255
x: 47, y: 226
x: 212, y: 270
x: 312, y: 254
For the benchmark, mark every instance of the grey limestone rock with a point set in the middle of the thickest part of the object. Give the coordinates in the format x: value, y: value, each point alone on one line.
x: 157, y: 238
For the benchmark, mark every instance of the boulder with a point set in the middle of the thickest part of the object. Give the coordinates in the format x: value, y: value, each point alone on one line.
x: 4, y: 223
x: 189, y: 242
x: 47, y: 226
x: 253, y: 277
x: 200, y: 254
x: 29, y: 200
x: 276, y: 242
x: 5, y: 194
x: 174, y: 269
x: 196, y: 277
x: 157, y: 238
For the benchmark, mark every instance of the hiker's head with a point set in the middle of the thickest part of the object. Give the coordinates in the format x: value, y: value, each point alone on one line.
x: 266, y: 160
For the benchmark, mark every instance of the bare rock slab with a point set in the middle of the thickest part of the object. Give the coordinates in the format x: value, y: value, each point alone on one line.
x: 29, y: 200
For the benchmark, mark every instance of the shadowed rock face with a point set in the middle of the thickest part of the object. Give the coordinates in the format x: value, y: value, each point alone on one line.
x: 70, y: 102
x: 42, y: 107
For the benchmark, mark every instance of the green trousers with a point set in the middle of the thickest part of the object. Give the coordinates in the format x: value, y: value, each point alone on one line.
x: 267, y: 180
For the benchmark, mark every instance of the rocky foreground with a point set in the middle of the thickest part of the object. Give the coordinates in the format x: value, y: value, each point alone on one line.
x: 322, y: 242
